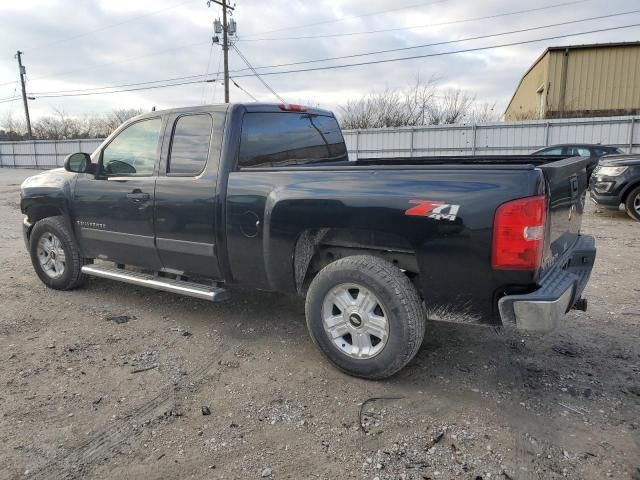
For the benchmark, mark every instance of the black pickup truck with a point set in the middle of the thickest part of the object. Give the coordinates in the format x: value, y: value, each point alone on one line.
x: 196, y: 200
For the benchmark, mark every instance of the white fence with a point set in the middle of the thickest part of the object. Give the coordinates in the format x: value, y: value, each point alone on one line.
x: 465, y: 139
x: 492, y: 138
x: 42, y: 153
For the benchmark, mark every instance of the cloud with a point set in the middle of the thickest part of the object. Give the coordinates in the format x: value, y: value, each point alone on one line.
x: 69, y: 44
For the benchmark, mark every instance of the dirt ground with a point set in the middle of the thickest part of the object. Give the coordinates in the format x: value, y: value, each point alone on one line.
x: 111, y: 381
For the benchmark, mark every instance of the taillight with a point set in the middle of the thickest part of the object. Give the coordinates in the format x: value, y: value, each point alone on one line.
x: 289, y: 107
x: 518, y: 234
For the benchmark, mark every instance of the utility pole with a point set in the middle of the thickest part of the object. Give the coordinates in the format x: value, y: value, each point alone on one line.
x: 225, y: 42
x: 23, y: 72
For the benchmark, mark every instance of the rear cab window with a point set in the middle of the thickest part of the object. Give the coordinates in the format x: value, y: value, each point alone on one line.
x: 190, y: 144
x: 282, y: 139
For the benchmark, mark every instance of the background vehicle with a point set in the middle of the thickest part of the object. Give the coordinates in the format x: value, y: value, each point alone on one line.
x: 593, y: 151
x: 616, y: 180
x: 579, y: 150
x: 264, y: 196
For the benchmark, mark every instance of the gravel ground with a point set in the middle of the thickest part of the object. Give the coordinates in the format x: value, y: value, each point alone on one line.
x: 113, y: 381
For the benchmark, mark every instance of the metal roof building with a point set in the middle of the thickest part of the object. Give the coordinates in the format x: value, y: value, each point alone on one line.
x: 580, y: 81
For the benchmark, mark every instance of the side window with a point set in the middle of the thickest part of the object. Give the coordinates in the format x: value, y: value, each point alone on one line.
x: 190, y: 145
x: 551, y: 151
x: 134, y: 151
x: 283, y: 139
x: 579, y: 151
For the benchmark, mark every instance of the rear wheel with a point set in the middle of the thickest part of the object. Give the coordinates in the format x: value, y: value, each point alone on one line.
x: 55, y: 255
x: 365, y: 316
x: 632, y: 204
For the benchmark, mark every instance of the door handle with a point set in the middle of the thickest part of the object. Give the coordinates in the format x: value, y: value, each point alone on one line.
x: 138, y: 196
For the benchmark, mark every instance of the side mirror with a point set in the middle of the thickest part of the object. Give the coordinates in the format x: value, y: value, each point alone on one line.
x: 78, y: 162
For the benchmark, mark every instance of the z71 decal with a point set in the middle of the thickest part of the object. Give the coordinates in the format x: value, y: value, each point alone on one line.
x: 435, y: 210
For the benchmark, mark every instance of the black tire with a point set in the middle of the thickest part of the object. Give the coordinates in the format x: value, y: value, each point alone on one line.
x: 633, y: 197
x: 71, y: 276
x: 398, y: 299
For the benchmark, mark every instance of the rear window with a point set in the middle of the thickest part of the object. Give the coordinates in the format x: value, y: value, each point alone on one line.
x: 608, y: 151
x: 284, y: 139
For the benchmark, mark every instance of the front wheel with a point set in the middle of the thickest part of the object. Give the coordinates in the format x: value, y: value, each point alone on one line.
x: 365, y: 316
x: 55, y: 255
x: 632, y: 204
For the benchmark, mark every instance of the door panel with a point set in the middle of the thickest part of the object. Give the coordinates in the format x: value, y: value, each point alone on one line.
x: 113, y: 210
x: 186, y: 201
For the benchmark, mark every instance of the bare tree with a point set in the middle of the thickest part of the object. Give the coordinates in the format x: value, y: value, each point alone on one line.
x: 62, y: 126
x: 485, y: 113
x: 420, y: 104
x: 453, y: 107
x: 389, y: 108
x: 117, y: 117
x: 11, y: 128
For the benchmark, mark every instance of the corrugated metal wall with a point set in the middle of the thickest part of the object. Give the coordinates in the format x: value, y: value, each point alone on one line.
x: 597, y: 79
x: 493, y: 138
x: 477, y: 139
x: 42, y: 153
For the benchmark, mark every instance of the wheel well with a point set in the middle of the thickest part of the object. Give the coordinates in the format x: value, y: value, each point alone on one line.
x: 317, y: 248
x: 38, y: 212
x: 628, y: 191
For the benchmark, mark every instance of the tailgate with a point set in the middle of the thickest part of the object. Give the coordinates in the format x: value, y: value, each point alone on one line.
x: 566, y: 186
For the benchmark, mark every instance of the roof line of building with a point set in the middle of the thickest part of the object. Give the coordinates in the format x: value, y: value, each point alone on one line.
x: 566, y: 47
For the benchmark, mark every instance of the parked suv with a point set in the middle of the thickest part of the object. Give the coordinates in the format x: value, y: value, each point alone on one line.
x: 616, y: 180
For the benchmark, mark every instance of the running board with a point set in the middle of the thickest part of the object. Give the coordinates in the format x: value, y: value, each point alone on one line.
x: 214, y: 294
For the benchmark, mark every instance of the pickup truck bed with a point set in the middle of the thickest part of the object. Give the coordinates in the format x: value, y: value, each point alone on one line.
x: 276, y: 205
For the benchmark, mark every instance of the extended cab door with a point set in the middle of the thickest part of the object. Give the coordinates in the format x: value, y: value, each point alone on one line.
x: 186, y: 193
x: 113, y: 209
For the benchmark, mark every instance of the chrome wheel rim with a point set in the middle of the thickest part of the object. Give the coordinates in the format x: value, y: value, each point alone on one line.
x: 355, y: 321
x: 51, y: 255
x: 636, y: 204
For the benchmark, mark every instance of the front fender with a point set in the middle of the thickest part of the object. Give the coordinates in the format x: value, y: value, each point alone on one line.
x: 47, y: 194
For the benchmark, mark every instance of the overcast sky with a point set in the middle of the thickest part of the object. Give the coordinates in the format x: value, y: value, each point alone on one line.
x: 84, y: 44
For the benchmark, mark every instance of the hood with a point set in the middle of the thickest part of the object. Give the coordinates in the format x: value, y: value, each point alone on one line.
x: 619, y: 160
x: 55, y: 178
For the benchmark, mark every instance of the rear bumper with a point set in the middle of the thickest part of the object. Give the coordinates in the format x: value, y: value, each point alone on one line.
x: 560, y: 288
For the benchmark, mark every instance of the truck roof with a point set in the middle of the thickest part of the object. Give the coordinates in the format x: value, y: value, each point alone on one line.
x: 249, y: 106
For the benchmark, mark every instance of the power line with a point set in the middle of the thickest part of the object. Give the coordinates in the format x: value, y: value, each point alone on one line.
x: 215, y: 84
x: 238, y: 86
x: 244, y: 59
x: 440, y: 54
x: 202, y: 76
x: 424, y: 45
x: 125, y: 90
x: 206, y: 72
x: 79, y: 90
x: 353, y: 17
x: 192, y: 45
x: 439, y: 24
x: 107, y: 27
x: 67, y: 72
x: 373, y: 62
x: 64, y: 73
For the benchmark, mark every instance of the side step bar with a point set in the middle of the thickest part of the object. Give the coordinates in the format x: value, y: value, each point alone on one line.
x: 196, y: 290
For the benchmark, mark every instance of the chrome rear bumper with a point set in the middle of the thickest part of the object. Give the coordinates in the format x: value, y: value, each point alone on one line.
x: 560, y: 288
